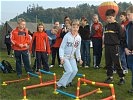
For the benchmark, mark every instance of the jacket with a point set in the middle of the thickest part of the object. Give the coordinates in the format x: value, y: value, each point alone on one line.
x: 40, y: 42
x: 69, y: 46
x: 19, y: 37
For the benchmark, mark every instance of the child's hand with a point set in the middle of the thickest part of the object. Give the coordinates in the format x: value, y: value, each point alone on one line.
x: 128, y: 52
x: 80, y: 62
x: 62, y: 61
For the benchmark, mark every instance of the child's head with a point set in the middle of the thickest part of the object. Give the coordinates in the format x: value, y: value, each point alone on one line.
x: 55, y: 30
x: 110, y: 15
x: 21, y: 23
x: 57, y: 23
x: 40, y: 27
x: 129, y: 12
x: 123, y: 16
x: 83, y: 20
x: 95, y: 18
x: 75, y: 26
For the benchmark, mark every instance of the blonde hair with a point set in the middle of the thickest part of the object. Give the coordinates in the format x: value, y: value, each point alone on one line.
x: 75, y: 22
x: 20, y: 20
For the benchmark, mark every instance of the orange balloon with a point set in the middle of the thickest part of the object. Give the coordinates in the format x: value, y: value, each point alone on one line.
x: 103, y: 7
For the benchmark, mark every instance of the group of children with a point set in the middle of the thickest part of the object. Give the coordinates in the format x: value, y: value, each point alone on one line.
x: 71, y: 46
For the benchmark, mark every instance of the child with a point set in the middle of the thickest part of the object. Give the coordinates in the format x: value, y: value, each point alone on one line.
x: 112, y: 37
x: 20, y: 40
x: 96, y: 35
x: 42, y: 48
x: 70, y: 45
x: 55, y: 48
x: 124, y: 22
x: 129, y: 42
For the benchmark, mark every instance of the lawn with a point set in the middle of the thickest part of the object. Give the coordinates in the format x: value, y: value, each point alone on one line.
x: 14, y: 91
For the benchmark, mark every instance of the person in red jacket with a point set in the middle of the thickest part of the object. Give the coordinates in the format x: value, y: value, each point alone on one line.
x: 20, y: 40
x: 41, y: 45
x: 96, y: 36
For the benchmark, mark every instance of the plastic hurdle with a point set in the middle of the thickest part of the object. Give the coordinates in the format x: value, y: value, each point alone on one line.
x: 79, y: 96
x: 42, y: 84
x: 112, y: 97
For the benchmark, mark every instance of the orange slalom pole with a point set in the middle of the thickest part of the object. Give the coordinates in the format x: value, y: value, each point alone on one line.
x: 102, y: 84
x: 108, y: 98
x: 85, y: 80
x: 13, y: 81
x: 24, y: 92
x: 89, y: 93
x: 55, y: 87
x: 78, y: 88
x: 112, y: 91
x: 39, y: 85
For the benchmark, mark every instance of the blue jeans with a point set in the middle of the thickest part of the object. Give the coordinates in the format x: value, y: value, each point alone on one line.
x: 123, y: 58
x: 130, y: 64
x: 85, y: 52
x: 24, y: 55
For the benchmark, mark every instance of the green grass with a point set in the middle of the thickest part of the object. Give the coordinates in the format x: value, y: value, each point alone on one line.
x: 14, y: 91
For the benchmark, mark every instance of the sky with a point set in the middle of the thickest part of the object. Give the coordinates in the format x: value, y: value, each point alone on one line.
x: 11, y: 8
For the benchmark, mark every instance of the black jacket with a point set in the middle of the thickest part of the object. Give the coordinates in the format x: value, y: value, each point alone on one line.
x: 112, y: 34
x: 84, y: 32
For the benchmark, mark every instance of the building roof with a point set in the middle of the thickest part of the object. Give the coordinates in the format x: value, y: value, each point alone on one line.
x: 31, y: 26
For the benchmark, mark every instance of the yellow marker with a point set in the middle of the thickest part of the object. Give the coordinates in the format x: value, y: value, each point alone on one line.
x: 93, y: 83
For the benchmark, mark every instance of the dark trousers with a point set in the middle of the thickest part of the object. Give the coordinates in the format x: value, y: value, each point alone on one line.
x: 19, y: 56
x: 42, y: 57
x: 55, y: 51
x: 97, y: 51
x: 8, y: 46
x: 112, y: 58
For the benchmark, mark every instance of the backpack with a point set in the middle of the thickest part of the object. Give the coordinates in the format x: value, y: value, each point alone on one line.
x: 7, y: 67
x: 2, y: 68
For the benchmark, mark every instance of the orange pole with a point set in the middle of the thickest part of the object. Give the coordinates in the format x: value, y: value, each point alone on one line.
x: 39, y: 85
x: 78, y: 88
x: 108, y: 98
x: 55, y: 87
x: 24, y: 92
x: 112, y: 91
x: 102, y: 84
x: 89, y: 93
x: 84, y: 78
x: 13, y: 81
x: 87, y: 81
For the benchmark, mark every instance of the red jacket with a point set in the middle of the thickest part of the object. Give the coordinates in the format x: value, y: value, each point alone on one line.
x: 58, y: 40
x: 97, y: 30
x: 40, y: 42
x: 124, y: 23
x: 19, y: 37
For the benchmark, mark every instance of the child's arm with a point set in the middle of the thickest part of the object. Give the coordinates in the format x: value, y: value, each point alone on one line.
x: 78, y: 55
x: 62, y: 48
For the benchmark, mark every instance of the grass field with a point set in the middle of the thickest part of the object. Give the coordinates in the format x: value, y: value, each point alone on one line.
x: 14, y: 91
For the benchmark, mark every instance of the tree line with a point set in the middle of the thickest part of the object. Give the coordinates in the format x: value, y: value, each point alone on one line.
x: 36, y: 13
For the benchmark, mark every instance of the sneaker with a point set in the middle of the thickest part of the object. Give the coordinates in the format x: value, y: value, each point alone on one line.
x: 121, y: 82
x: 125, y: 71
x: 69, y: 85
x: 51, y: 66
x: 97, y: 67
x: 130, y: 91
x: 109, y: 80
x: 114, y: 71
x: 86, y: 66
x: 60, y: 65
x: 60, y: 87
